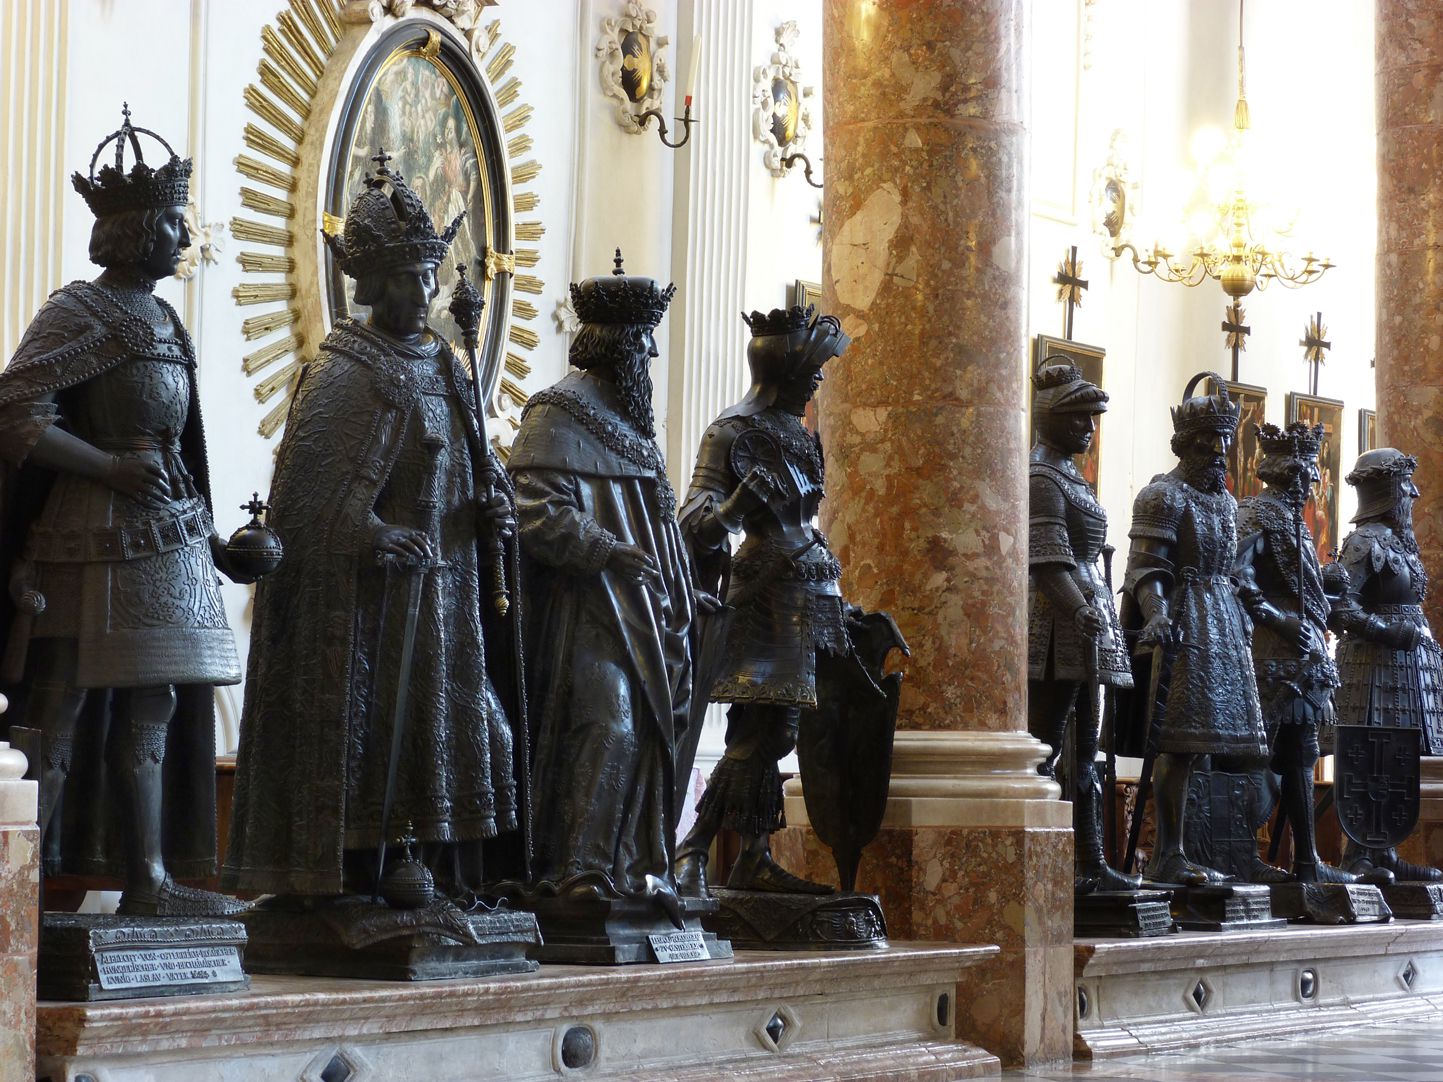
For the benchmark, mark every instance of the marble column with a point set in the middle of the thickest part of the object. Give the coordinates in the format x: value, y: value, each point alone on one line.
x: 19, y: 914
x: 923, y: 423
x: 1408, y: 45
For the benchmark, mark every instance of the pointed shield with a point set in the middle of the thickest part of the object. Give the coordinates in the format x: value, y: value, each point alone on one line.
x: 1377, y: 771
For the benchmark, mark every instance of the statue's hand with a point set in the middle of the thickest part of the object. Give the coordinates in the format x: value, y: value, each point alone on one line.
x: 1156, y: 632
x: 635, y: 565
x: 1298, y: 632
x: 755, y: 489
x: 1401, y: 634
x: 221, y: 558
x: 496, y: 509
x: 1088, y: 622
x: 140, y: 478
x: 707, y: 603
x: 411, y: 545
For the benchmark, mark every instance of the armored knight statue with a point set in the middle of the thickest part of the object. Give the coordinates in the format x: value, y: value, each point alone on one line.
x: 1074, y: 640
x: 113, y: 629
x: 382, y: 695
x: 797, y: 656
x: 1280, y: 584
x: 1390, y: 664
x: 610, y: 634
x: 1179, y: 591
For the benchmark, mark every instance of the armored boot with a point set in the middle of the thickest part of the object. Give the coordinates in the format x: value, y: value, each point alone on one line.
x: 1169, y: 864
x: 1308, y: 867
x: 1362, y: 859
x: 1090, y: 868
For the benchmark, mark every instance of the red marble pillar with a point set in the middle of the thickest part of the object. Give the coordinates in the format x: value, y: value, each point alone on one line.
x: 19, y: 915
x: 1409, y: 49
x: 923, y: 422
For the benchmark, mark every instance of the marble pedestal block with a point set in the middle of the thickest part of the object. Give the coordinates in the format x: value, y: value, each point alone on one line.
x: 19, y: 914
x: 1425, y: 844
x: 1198, y: 988
x: 876, y: 1015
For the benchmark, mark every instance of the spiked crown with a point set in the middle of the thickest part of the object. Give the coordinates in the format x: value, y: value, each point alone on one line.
x: 113, y: 190
x: 621, y: 298
x: 1061, y: 388
x: 388, y: 230
x: 1298, y: 440
x: 779, y: 320
x: 1206, y: 413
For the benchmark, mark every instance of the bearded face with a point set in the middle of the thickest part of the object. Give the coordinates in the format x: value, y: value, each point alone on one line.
x: 1204, y: 460
x: 1403, y: 509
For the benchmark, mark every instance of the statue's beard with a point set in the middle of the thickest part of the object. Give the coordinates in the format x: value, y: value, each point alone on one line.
x: 633, y: 382
x: 1402, y: 516
x: 1208, y: 473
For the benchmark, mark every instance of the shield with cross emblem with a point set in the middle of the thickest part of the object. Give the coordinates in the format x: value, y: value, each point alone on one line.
x: 1376, y: 780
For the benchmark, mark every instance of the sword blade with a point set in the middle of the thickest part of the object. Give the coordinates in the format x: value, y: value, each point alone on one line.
x: 398, y: 717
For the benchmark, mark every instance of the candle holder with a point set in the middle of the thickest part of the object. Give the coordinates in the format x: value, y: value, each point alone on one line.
x: 792, y: 159
x: 685, y: 120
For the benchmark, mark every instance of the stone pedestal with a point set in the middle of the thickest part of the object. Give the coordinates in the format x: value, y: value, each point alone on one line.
x: 1196, y: 988
x: 1425, y: 844
x: 877, y: 1015
x: 19, y: 915
x: 924, y: 426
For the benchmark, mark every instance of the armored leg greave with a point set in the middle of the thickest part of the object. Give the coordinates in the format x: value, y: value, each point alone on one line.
x: 146, y: 712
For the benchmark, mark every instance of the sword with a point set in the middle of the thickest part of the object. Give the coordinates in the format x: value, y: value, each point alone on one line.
x: 1153, y: 722
x: 1105, y: 727
x: 1280, y: 821
x: 417, y: 573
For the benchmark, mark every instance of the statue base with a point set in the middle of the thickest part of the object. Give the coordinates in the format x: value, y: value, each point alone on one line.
x: 358, y: 938
x: 1415, y: 901
x: 92, y: 956
x: 1135, y: 914
x: 1330, y: 903
x: 1224, y: 907
x: 585, y: 928
x: 762, y: 920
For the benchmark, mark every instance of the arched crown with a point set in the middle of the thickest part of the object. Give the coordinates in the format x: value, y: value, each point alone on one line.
x: 384, y: 230
x: 113, y: 190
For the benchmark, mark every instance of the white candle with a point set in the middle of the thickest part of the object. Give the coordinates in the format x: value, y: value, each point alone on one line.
x: 695, y: 65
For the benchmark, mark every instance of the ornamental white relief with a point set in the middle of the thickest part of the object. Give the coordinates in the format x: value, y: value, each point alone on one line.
x: 781, y: 119
x: 633, y: 71
x: 206, y: 243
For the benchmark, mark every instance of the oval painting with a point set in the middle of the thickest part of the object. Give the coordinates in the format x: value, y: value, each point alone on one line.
x: 416, y: 111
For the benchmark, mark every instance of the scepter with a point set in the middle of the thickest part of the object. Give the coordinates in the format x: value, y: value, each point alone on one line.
x: 466, y: 306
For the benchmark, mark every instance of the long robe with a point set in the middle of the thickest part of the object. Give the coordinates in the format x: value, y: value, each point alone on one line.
x: 608, y: 660
x: 377, y: 433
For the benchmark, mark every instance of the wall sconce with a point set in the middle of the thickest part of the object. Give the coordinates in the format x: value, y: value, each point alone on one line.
x: 781, y: 119
x: 685, y: 120
x: 792, y: 159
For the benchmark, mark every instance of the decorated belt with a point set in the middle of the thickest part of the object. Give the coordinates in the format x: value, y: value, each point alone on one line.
x: 104, y: 544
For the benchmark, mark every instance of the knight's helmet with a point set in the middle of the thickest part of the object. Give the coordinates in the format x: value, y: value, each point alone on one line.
x: 786, y: 341
x: 620, y: 298
x: 388, y: 230
x: 1382, y: 477
x: 1060, y: 388
x: 1216, y: 412
x: 1299, y: 440
x: 113, y: 190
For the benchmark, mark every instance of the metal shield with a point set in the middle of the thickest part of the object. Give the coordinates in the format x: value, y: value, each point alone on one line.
x: 1376, y: 781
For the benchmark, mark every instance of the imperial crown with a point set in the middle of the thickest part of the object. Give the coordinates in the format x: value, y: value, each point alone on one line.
x: 1298, y: 440
x: 1061, y: 388
x: 780, y: 320
x: 621, y: 298
x: 143, y: 188
x: 388, y: 230
x: 1206, y: 413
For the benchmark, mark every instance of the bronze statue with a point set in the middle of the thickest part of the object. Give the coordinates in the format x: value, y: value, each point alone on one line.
x: 382, y: 695
x: 1074, y: 640
x: 801, y: 667
x: 1179, y: 591
x: 610, y: 634
x: 114, y: 632
x: 1281, y: 585
x: 1390, y: 664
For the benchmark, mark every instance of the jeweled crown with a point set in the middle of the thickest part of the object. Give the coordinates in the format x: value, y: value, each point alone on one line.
x: 1298, y: 440
x: 113, y: 190
x: 1216, y: 412
x: 387, y: 230
x: 780, y: 320
x: 619, y: 297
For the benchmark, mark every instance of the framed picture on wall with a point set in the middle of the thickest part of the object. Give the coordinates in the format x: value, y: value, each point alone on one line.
x: 1089, y: 360
x: 1245, y: 453
x: 1321, y: 512
x: 1367, y: 430
x: 805, y: 293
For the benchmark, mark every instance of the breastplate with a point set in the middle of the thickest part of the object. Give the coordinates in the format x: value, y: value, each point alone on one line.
x: 141, y: 401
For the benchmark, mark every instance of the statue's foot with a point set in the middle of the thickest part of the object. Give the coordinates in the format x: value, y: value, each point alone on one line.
x: 765, y: 874
x: 1405, y: 871
x: 664, y: 895
x: 170, y: 899
x: 1320, y: 872
x: 1176, y: 868
x: 1260, y: 871
x: 690, y: 872
x: 1105, y: 877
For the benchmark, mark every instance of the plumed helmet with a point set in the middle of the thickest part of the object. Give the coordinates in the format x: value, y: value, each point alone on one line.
x: 787, y: 340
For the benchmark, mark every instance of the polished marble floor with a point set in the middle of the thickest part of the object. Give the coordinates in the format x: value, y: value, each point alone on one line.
x: 1393, y: 1053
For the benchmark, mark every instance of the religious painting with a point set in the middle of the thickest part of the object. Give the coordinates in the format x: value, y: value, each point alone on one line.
x: 1321, y: 512
x: 1089, y: 360
x: 416, y: 110
x: 1245, y: 454
x: 1367, y: 430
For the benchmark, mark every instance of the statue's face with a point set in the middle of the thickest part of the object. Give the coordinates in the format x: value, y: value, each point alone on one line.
x: 405, y: 300
x: 794, y: 394
x: 1204, y: 459
x: 1071, y: 433
x: 1304, y: 476
x: 171, y: 238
